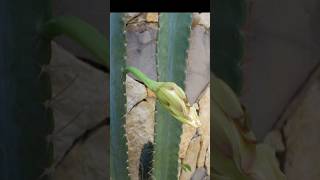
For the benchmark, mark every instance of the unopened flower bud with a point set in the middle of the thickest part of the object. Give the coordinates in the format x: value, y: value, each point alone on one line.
x: 172, y: 97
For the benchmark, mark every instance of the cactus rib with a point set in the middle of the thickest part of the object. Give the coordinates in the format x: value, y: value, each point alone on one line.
x: 173, y: 42
x: 118, y: 148
x: 229, y: 42
x: 24, y: 121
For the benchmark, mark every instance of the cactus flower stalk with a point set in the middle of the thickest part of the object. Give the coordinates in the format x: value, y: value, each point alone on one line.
x: 172, y: 97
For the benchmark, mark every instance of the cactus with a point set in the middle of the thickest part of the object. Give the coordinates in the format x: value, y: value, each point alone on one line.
x: 236, y: 154
x: 119, y: 149
x: 173, y: 42
x: 25, y: 120
x: 228, y: 42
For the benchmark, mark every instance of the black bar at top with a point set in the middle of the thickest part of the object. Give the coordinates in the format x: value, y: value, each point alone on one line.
x: 160, y: 5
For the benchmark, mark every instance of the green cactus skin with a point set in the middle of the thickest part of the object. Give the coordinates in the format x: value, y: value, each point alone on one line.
x: 118, y: 148
x: 81, y: 32
x: 25, y: 121
x: 173, y: 42
x: 228, y: 41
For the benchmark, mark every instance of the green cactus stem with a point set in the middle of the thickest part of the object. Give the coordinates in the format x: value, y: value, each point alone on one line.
x: 25, y: 121
x: 118, y: 140
x: 230, y: 16
x: 81, y: 32
x: 173, y: 43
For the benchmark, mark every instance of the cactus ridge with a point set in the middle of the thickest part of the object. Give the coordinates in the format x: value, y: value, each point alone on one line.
x: 172, y: 46
x: 24, y: 121
x: 229, y: 42
x: 119, y: 147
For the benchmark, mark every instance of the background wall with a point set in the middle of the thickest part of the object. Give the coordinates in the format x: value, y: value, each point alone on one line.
x: 284, y: 44
x: 82, y: 133
x: 282, y: 80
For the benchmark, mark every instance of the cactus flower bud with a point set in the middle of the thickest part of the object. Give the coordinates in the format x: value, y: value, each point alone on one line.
x: 172, y: 97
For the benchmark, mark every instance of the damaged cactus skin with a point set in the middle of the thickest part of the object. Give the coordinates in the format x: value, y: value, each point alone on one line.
x: 172, y: 97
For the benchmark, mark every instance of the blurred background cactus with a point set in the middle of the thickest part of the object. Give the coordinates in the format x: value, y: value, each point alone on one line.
x: 27, y: 126
x: 236, y: 152
x: 151, y: 143
x: 229, y: 42
x: 26, y: 117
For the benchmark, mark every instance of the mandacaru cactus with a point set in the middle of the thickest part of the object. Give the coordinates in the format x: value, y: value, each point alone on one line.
x: 26, y: 115
x: 172, y: 107
x: 173, y: 43
x: 118, y: 141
